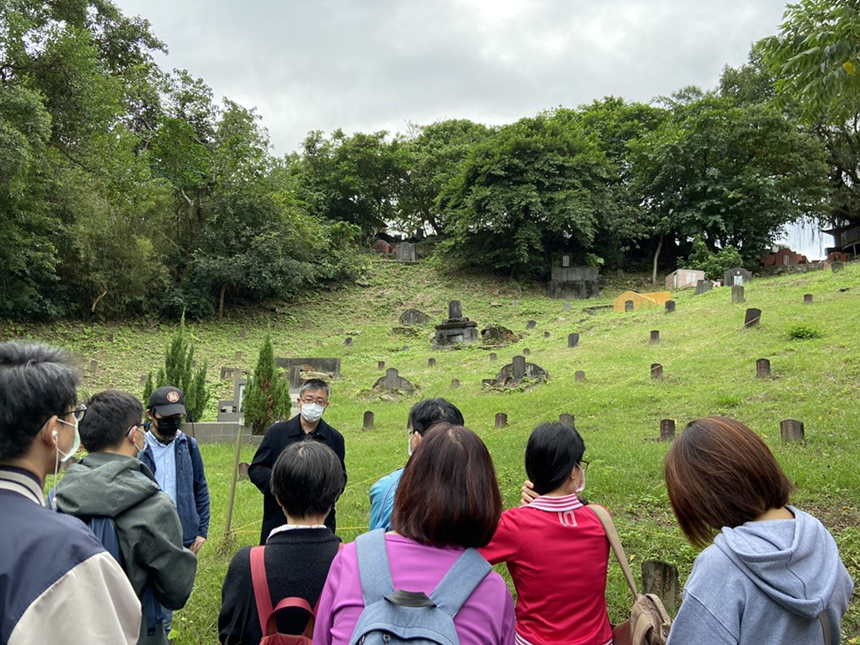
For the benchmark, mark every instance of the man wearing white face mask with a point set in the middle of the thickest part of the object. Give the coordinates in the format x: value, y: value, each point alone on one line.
x: 61, y: 585
x: 308, y: 425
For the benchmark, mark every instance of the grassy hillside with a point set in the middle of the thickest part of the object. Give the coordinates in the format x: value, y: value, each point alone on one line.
x: 709, y: 368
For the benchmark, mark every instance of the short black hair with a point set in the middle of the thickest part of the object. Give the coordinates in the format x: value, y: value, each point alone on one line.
x: 36, y: 382
x: 109, y: 416
x: 315, y: 384
x: 426, y: 414
x: 307, y: 478
x: 553, y: 451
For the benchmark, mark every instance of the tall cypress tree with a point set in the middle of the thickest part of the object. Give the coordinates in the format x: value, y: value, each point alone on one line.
x: 178, y: 371
x: 267, y: 396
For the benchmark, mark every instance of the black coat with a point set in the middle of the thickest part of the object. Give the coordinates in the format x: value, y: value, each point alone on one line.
x: 278, y: 437
x: 297, y: 563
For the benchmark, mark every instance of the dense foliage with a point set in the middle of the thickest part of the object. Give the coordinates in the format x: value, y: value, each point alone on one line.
x: 267, y: 396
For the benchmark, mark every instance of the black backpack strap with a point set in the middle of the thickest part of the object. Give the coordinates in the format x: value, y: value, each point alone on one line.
x: 373, y: 567
x: 462, y: 579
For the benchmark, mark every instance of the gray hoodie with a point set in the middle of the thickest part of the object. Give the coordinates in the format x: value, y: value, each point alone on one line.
x: 147, y: 525
x: 765, y: 583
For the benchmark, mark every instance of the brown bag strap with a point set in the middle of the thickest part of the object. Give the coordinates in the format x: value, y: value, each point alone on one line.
x: 615, y: 542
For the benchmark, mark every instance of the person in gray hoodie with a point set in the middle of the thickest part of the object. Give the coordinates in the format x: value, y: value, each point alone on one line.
x: 773, y: 574
x: 110, y: 482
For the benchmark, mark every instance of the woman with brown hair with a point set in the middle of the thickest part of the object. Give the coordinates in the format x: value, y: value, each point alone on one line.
x: 773, y: 573
x: 447, y: 505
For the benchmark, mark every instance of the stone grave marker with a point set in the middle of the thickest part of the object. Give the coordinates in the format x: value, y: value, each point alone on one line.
x: 531, y: 324
x: 566, y: 419
x: 628, y: 305
x: 243, y: 471
x: 762, y: 368
x: 655, y: 336
x: 513, y: 374
x: 579, y: 376
x: 94, y: 366
x: 431, y: 362
x: 703, y: 286
x: 519, y: 363
x: 667, y: 429
x: 242, y: 334
x: 670, y: 306
x: 836, y: 267
x: 405, y: 252
x: 347, y: 341
x: 456, y: 330
x: 568, y: 282
x: 661, y: 578
x: 455, y: 383
x: 414, y: 317
x: 656, y: 371
x: 807, y: 298
x: 380, y: 365
x: 307, y: 323
x: 143, y: 379
x: 736, y: 277
x: 546, y: 334
x: 111, y: 338
x: 752, y: 318
x: 738, y: 293
x: 392, y: 382
x: 565, y: 261
x: 405, y: 348
x: 238, y: 357
x: 501, y: 419
x: 526, y: 351
x: 367, y: 423
x: 572, y: 340
x: 493, y: 356
x: 791, y: 430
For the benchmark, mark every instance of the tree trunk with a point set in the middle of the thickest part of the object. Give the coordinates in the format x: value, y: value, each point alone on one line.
x: 656, y: 257
x: 221, y: 302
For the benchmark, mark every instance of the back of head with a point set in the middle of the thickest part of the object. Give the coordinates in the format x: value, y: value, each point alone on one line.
x: 307, y: 479
x: 448, y: 494
x: 36, y: 383
x: 553, y: 451
x: 720, y: 473
x: 426, y: 414
x: 110, y: 415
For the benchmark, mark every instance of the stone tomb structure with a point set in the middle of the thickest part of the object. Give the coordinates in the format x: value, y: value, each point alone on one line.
x: 497, y: 335
x: 456, y: 330
x: 300, y: 370
x: 393, y: 384
x: 568, y: 282
x: 231, y: 411
x: 737, y: 277
x: 640, y: 300
x: 684, y: 278
x: 513, y: 374
x: 405, y: 252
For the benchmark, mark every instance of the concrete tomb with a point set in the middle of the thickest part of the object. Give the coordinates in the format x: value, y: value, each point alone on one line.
x: 568, y: 282
x: 393, y: 383
x: 456, y: 330
x: 684, y: 278
x: 737, y: 276
x: 513, y: 374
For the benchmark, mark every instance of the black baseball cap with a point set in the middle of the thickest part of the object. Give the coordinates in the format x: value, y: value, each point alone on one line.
x: 167, y: 401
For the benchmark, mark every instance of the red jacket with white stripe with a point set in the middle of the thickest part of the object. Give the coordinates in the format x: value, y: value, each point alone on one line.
x: 557, y: 553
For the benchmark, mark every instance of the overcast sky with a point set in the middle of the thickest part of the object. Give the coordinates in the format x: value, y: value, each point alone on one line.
x: 378, y: 64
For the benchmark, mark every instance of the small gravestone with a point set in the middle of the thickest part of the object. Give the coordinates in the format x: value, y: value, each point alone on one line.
x: 531, y: 324
x: 572, y: 340
x: 526, y: 351
x: 656, y: 371
x: 807, y: 298
x: 414, y: 317
x: 242, y: 334
x: 752, y: 318
x: 238, y: 357
x: 347, y: 341
x: 143, y: 379
x: 566, y: 419
x: 655, y: 336
x: 670, y: 306
x: 661, y: 578
x: 393, y: 383
x: 243, y: 470
x: 738, y: 293
x: 367, y: 423
x: 493, y: 356
x: 455, y: 310
x: 836, y: 267
x: 94, y: 366
x: 546, y: 334
x: 565, y: 261
x: 501, y: 419
x: 579, y: 376
x: 405, y: 252
x: 519, y: 363
x: 392, y: 378
x: 111, y: 338
x: 736, y: 277
x: 431, y: 362
x: 703, y: 286
x: 628, y: 305
x: 455, y: 383
x: 791, y: 430
x: 667, y: 429
x: 762, y: 368
x: 380, y: 365
x: 515, y: 373
x: 566, y: 306
x: 319, y: 343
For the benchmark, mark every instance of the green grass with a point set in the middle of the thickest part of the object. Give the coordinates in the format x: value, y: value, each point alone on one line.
x: 709, y: 368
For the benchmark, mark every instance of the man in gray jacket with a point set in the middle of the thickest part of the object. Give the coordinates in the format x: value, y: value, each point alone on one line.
x: 112, y: 483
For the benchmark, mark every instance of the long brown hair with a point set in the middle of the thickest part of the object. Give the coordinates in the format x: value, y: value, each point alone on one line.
x: 448, y: 494
x: 720, y: 473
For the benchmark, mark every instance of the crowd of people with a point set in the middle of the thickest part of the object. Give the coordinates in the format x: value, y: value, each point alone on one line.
x: 111, y: 551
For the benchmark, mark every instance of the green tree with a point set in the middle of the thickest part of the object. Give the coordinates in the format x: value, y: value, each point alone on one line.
x: 267, y: 396
x: 714, y: 264
x: 178, y: 371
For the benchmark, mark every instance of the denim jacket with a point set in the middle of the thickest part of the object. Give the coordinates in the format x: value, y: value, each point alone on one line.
x: 192, y: 492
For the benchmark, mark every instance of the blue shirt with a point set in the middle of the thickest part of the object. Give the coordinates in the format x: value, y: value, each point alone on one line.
x: 382, y: 500
x: 164, y: 456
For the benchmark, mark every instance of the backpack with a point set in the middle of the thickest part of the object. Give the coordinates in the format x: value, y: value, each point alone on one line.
x: 395, y: 616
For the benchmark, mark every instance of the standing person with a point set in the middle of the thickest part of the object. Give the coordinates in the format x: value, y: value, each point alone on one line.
x: 174, y: 458
x: 306, y: 481
x: 773, y: 573
x: 111, y: 482
x: 422, y: 417
x: 447, y: 504
x: 555, y: 548
x: 58, y: 585
x: 307, y: 425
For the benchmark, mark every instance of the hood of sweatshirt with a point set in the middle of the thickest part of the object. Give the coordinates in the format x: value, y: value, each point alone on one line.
x: 104, y: 484
x: 794, y: 562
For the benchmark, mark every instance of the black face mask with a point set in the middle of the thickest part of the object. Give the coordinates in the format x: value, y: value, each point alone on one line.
x: 168, y: 427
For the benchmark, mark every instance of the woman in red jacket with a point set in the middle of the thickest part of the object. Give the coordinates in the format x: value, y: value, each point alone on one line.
x: 555, y: 547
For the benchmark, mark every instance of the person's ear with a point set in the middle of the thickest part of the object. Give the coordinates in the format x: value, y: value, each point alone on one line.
x: 50, y: 433
x: 149, y: 415
x: 417, y: 439
x: 326, y: 404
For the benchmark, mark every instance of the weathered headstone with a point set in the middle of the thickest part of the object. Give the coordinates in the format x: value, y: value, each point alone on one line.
x: 242, y: 334
x: 455, y: 310
x: 568, y: 282
x: 579, y: 376
x: 546, y: 334
x: 367, y: 422
x: 238, y: 357
x: 243, y: 470
x: 526, y: 351
x: 836, y: 267
x: 414, y: 317
x: 456, y: 330
x: 807, y: 298
x: 392, y: 378
x: 347, y: 341
x: 501, y: 419
x: 94, y: 366
x: 111, y: 338
x: 628, y: 305
x: 392, y: 382
x: 572, y: 340
x: 703, y: 286
x: 493, y: 356
x: 791, y: 430
x: 431, y: 362
x: 738, y: 293
x: 656, y: 370
x: 736, y: 277
x: 762, y: 368
x: 661, y: 578
x: 655, y: 336
x: 531, y: 324
x: 380, y: 365
x: 405, y: 252
x: 455, y: 383
x: 752, y: 317
x: 667, y: 429
x: 670, y: 306
x: 519, y: 363
x: 565, y: 261
x: 566, y: 419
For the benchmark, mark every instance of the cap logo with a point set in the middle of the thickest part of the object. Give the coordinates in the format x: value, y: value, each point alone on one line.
x: 173, y: 396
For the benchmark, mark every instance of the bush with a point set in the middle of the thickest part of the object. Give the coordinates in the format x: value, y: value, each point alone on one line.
x: 804, y: 332
x: 267, y: 396
x: 713, y: 264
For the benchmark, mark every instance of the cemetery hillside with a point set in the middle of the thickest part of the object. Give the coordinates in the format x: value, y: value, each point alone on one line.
x: 606, y: 382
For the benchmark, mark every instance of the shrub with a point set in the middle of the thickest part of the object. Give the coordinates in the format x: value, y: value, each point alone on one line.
x: 803, y: 332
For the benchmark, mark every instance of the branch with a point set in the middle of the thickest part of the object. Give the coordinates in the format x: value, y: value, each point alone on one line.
x: 96, y: 303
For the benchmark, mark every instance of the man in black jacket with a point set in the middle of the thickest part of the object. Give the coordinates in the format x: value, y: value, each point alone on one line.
x: 308, y: 425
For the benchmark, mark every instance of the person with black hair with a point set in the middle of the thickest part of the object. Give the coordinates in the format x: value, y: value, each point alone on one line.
x: 59, y: 584
x: 555, y: 547
x: 306, y: 482
x: 305, y: 426
x: 111, y: 482
x: 423, y: 415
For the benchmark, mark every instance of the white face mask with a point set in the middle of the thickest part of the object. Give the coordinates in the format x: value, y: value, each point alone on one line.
x: 582, y: 483
x: 312, y: 412
x: 410, y: 449
x: 75, y: 444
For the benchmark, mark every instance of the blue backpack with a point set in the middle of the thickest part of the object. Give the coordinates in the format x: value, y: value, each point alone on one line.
x: 395, y: 616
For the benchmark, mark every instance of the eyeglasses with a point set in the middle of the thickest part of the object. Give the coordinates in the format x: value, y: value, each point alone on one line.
x: 79, y: 413
x: 585, y: 467
x: 321, y: 402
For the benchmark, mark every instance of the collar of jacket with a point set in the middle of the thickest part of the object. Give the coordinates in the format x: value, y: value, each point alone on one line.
x: 294, y: 428
x: 22, y: 482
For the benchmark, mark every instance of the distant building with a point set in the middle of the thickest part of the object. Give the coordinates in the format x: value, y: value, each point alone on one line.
x: 846, y: 237
x: 783, y: 257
